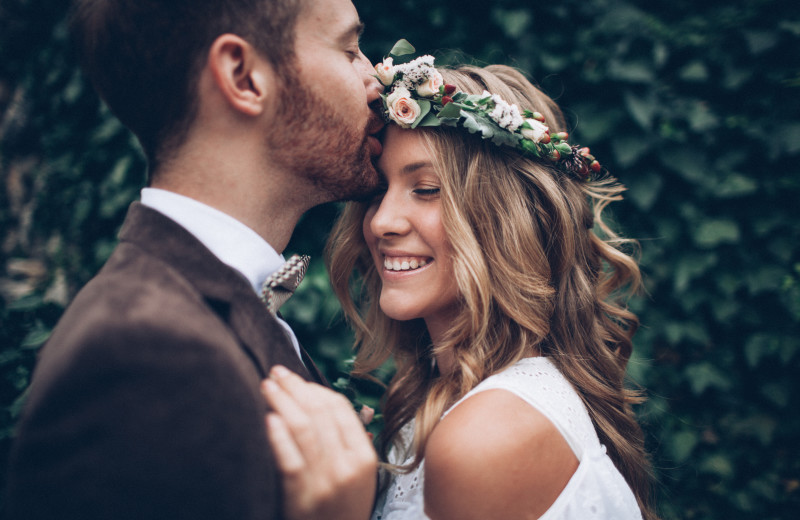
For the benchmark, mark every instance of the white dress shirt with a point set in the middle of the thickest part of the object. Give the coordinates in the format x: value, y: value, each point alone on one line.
x: 232, y: 242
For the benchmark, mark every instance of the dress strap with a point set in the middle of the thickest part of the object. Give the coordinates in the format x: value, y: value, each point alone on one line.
x: 538, y: 382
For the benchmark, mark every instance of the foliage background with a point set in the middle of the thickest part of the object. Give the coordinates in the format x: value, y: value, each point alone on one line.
x: 694, y: 105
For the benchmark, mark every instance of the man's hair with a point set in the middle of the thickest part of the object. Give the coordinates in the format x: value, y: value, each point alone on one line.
x: 144, y: 56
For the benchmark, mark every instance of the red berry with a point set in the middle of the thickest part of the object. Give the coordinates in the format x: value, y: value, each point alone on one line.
x: 446, y: 100
x: 595, y: 166
x: 449, y: 89
x: 545, y: 138
x: 561, y: 136
x: 555, y: 156
x: 539, y: 117
x: 584, y: 152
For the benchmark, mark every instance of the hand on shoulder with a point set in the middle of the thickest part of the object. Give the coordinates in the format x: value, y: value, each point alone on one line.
x: 326, y: 458
x: 495, y: 456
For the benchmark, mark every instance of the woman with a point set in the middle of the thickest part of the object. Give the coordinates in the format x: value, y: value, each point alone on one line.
x: 485, y: 277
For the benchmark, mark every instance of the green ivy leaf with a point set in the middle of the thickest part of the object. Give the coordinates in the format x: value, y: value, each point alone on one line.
x: 681, y: 445
x: 704, y: 375
x: 711, y: 233
x: 718, y: 465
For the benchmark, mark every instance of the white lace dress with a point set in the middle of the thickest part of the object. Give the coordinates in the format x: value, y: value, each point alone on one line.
x: 596, y: 490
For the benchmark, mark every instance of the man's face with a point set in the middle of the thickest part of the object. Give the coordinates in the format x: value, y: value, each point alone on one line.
x: 325, y: 127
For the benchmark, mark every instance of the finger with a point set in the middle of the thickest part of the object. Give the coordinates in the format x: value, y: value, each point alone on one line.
x: 337, y: 426
x: 287, y: 454
x: 322, y: 408
x: 298, y: 423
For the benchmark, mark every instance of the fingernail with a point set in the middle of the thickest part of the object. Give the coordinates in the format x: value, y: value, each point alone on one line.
x: 269, y: 385
x: 279, y: 371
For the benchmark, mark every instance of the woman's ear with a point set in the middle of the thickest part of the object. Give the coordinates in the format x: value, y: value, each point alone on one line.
x: 243, y: 78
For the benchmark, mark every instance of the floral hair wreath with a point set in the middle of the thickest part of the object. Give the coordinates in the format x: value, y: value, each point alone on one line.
x: 417, y: 96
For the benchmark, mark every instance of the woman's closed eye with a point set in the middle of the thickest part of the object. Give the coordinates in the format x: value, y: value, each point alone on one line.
x: 427, y: 191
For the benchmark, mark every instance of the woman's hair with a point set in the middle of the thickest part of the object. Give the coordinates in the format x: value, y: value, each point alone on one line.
x: 538, y: 271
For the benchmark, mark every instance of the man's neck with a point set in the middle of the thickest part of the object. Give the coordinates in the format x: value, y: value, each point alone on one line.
x: 259, y: 201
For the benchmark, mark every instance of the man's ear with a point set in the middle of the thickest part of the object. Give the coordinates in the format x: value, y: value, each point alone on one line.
x: 242, y: 77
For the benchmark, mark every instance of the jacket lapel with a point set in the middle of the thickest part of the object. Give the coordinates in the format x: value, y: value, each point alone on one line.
x: 224, y: 289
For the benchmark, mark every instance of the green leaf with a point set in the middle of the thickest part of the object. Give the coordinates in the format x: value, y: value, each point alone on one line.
x: 430, y: 119
x: 718, y: 465
x: 402, y: 47
x: 711, y: 233
x: 627, y: 150
x: 515, y: 22
x: 702, y: 376
x: 424, y: 110
x: 682, y: 444
x: 26, y: 303
x: 644, y: 188
x: 736, y: 185
x: 450, y: 111
x: 695, y: 71
x: 35, y: 338
x: 477, y: 125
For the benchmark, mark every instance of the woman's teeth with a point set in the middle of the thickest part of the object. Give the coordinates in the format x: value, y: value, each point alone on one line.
x: 404, y: 263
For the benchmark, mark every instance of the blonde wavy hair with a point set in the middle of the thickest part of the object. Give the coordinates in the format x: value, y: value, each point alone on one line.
x: 539, y: 272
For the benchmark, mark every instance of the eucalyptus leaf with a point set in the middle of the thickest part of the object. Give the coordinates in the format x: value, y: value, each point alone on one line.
x: 424, y: 110
x: 450, y: 110
x: 402, y: 48
x: 430, y: 119
x: 473, y: 122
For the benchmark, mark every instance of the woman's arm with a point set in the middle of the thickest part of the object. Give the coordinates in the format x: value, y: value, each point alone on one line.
x: 322, y: 449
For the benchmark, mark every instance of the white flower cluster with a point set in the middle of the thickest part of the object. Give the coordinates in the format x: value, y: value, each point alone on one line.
x: 505, y: 115
x: 418, y: 75
x: 416, y: 71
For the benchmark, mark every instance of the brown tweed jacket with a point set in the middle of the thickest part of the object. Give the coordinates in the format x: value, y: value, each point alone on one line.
x: 145, y: 401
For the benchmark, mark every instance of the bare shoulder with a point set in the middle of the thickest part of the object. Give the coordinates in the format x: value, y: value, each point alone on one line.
x: 495, y: 456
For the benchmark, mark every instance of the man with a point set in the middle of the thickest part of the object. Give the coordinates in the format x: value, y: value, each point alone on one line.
x: 145, y: 402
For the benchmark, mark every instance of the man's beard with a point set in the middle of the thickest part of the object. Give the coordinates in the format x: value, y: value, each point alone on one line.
x: 321, y: 145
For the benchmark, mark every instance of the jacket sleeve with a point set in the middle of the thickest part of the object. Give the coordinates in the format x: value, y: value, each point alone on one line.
x: 144, y: 422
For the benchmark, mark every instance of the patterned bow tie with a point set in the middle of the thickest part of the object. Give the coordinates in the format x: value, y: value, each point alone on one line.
x: 281, y: 284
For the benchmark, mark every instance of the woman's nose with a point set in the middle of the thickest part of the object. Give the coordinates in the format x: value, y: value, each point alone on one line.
x: 390, y: 218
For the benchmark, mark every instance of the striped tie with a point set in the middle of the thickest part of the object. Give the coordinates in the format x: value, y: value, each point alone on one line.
x: 281, y: 284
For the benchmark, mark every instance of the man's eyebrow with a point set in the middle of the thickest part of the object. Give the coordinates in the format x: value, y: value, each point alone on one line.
x: 357, y: 29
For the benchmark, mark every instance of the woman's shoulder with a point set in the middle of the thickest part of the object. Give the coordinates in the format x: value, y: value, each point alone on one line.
x: 494, y: 452
x: 539, y: 383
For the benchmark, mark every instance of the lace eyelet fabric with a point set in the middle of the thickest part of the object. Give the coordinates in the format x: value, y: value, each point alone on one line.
x: 596, y: 490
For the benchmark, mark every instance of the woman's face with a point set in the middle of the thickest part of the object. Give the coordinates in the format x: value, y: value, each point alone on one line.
x: 404, y: 232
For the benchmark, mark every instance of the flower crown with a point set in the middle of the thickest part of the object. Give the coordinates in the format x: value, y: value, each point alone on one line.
x: 417, y: 96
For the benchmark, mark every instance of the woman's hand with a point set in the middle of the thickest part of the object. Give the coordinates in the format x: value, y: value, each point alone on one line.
x: 327, y: 460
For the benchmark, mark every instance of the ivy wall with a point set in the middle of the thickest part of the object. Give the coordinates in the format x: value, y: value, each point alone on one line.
x: 693, y: 105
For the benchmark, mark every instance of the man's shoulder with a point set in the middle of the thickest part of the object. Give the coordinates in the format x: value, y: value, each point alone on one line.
x: 133, y: 289
x: 136, y: 304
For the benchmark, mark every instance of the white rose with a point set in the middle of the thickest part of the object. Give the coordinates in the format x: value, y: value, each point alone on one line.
x: 431, y: 87
x: 536, y: 131
x: 385, y: 71
x: 402, y: 109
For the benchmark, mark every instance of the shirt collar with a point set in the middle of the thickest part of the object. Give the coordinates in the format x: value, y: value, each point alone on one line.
x: 232, y: 242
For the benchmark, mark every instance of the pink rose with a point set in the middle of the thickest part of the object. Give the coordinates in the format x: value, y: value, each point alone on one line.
x: 402, y: 109
x: 431, y: 87
x: 385, y: 71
